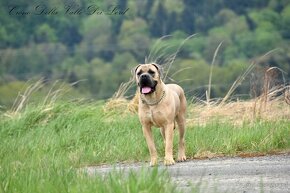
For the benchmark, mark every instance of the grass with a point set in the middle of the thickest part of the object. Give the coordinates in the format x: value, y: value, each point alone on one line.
x: 41, y: 148
x: 55, y: 179
x: 224, y: 139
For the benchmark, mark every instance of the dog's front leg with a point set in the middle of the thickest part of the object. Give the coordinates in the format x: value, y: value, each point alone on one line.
x: 151, y: 145
x: 169, y: 134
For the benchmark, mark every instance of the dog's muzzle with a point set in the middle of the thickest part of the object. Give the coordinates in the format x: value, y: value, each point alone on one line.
x: 147, y: 84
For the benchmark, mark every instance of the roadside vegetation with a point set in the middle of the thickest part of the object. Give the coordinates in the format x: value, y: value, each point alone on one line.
x: 44, y: 144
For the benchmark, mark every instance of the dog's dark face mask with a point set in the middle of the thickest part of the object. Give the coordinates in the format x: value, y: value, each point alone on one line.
x: 147, y: 77
x: 147, y: 84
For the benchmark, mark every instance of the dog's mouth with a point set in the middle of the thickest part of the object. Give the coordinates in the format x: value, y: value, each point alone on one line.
x: 148, y: 89
x: 147, y: 84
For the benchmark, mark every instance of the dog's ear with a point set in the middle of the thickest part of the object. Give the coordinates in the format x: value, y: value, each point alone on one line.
x: 159, y: 69
x: 133, y: 70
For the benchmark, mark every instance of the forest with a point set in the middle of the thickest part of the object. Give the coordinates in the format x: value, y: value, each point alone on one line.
x: 92, y: 45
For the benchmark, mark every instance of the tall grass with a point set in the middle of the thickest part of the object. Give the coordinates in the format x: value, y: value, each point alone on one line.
x: 41, y: 150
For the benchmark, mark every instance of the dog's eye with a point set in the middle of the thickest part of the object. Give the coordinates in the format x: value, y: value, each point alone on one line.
x: 151, y: 72
x: 139, y: 73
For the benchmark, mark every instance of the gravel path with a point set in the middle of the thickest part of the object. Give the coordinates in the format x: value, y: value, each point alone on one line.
x: 245, y: 175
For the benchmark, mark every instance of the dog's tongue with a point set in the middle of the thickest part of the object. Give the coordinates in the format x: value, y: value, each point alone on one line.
x: 146, y: 90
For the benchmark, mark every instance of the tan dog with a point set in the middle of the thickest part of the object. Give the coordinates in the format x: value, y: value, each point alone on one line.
x: 160, y: 105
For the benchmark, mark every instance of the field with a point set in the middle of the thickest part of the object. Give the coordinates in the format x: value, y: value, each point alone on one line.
x: 43, y: 146
x: 231, y: 58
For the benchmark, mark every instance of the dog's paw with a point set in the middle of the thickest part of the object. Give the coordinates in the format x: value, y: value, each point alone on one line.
x: 169, y: 161
x: 153, y: 162
x: 181, y: 158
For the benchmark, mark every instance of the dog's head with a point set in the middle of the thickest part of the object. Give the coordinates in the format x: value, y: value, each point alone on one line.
x: 147, y: 77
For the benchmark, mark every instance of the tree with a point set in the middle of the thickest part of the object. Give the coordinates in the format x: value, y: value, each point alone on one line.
x: 241, y: 6
x: 134, y: 39
x: 158, y: 26
x: 278, y: 5
x: 147, y: 9
x: 172, y: 23
x: 44, y: 33
x: 285, y: 28
x: 97, y: 41
x: 265, y: 15
x: 224, y: 16
x: 188, y: 17
x: 118, y: 20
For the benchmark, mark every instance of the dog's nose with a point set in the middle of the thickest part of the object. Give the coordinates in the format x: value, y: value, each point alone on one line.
x: 144, y: 76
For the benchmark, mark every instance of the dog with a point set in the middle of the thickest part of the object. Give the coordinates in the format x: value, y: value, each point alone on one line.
x: 160, y: 105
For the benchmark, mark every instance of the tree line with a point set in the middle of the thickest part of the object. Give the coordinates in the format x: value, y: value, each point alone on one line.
x: 64, y: 42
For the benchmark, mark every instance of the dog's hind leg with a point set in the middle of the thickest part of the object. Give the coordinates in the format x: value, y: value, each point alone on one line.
x: 180, y: 119
x: 181, y: 145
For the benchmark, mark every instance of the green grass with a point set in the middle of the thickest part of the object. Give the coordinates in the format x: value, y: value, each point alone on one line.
x: 258, y: 137
x: 54, y: 179
x: 41, y: 150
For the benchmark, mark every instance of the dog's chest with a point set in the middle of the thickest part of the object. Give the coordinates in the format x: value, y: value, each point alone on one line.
x: 156, y: 117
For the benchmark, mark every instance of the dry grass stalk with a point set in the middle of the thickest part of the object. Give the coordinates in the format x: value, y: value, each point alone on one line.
x: 133, y: 105
x: 22, y: 99
x: 54, y: 93
x: 238, y: 112
x: 237, y: 82
x: 270, y: 105
x: 155, y: 50
x: 116, y: 106
x: 241, y: 78
x: 208, y: 92
x: 287, y: 95
x: 172, y: 57
x: 270, y: 91
x: 123, y: 89
x: 118, y: 101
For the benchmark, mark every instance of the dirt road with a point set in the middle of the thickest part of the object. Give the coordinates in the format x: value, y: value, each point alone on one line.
x: 245, y: 175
